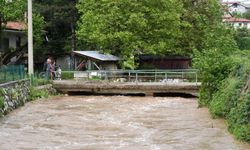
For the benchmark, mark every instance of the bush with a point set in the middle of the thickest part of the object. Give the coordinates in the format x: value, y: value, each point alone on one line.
x: 38, y: 82
x: 225, y: 98
x: 232, y: 99
x: 36, y: 94
x: 1, y: 103
x: 1, y: 106
x: 67, y: 75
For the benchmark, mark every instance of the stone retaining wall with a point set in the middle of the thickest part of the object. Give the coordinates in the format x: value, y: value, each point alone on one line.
x: 13, y: 95
x: 17, y: 93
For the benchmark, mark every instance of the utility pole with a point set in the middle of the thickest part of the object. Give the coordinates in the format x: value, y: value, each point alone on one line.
x: 30, y: 40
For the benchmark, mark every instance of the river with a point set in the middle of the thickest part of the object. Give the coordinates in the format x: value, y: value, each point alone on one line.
x: 114, y: 122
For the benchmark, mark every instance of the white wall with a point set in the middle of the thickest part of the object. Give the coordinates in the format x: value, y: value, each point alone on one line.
x: 241, y: 25
x: 13, y: 38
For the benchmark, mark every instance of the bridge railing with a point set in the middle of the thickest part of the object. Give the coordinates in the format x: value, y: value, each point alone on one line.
x: 177, y: 75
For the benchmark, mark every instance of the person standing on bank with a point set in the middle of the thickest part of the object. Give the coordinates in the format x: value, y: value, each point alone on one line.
x: 48, y: 68
x: 52, y: 70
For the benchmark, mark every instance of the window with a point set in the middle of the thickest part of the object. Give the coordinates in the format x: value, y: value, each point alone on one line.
x: 6, y: 44
x: 18, y: 42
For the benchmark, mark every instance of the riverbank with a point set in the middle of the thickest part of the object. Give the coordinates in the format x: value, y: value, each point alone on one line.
x: 17, y: 93
x: 226, y: 92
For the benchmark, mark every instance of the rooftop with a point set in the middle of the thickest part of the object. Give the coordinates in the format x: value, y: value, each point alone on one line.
x: 232, y: 19
x: 97, y: 55
x: 16, y: 26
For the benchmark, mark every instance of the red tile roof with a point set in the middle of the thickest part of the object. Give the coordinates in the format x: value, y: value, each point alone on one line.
x: 237, y: 20
x: 16, y: 25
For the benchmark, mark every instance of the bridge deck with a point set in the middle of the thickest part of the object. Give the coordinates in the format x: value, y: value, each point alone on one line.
x: 104, y: 87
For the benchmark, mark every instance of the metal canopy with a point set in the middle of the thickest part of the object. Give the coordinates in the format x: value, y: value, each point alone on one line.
x: 97, y: 55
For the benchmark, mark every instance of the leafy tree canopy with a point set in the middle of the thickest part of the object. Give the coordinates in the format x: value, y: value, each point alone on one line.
x: 15, y: 11
x: 127, y: 28
x: 60, y: 17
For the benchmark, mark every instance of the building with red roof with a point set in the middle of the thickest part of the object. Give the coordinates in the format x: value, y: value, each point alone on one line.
x: 19, y: 26
x: 238, y: 22
x: 13, y: 36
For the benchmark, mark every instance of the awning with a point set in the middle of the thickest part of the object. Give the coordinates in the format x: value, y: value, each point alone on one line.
x: 97, y: 55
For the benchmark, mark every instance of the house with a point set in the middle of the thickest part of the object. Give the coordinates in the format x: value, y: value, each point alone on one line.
x: 238, y: 22
x: 236, y: 7
x: 95, y: 60
x: 13, y: 36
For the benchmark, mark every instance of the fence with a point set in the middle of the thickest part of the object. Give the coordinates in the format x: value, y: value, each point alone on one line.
x: 11, y: 73
x: 180, y: 75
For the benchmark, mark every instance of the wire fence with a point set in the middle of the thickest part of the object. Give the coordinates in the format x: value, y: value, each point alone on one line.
x: 12, y: 73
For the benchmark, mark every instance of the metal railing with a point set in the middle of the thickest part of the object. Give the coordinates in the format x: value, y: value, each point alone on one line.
x: 11, y: 73
x: 177, y: 75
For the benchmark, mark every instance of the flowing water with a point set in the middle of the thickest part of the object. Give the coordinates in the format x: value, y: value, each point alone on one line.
x: 114, y: 122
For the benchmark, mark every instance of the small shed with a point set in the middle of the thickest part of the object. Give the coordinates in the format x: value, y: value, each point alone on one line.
x: 164, y: 62
x: 93, y: 60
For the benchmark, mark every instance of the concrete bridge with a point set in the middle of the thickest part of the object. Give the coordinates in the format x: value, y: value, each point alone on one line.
x: 126, y: 88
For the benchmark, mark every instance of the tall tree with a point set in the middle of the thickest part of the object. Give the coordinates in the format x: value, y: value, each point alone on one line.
x: 60, y: 17
x: 199, y: 18
x: 15, y: 10
x: 127, y: 28
x: 163, y: 27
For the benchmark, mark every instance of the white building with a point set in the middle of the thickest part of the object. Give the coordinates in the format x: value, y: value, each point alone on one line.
x: 236, y: 6
x: 13, y: 36
x: 238, y: 22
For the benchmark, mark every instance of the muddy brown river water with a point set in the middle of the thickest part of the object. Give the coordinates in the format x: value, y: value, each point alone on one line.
x: 114, y: 122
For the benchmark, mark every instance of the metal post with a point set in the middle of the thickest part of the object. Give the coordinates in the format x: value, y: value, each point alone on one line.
x: 30, y: 39
x: 155, y: 76
x: 136, y: 77
x: 129, y: 76
x: 196, y: 80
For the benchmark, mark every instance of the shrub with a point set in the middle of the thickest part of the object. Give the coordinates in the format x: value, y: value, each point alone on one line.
x: 36, y: 94
x: 232, y: 99
x: 1, y: 103
x: 38, y: 81
x: 67, y: 75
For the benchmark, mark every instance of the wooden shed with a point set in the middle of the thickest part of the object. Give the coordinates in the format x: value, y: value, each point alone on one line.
x: 94, y: 60
x: 164, y: 62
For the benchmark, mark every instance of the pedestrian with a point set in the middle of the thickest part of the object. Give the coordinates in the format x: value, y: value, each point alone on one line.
x: 59, y: 73
x: 48, y: 68
x: 52, y: 70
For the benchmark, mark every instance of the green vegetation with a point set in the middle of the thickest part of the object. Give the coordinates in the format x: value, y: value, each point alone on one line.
x: 1, y: 105
x: 128, y: 28
x: 225, y: 90
x: 60, y: 17
x: 67, y: 75
x: 39, y: 81
x: 242, y: 38
x: 37, y: 93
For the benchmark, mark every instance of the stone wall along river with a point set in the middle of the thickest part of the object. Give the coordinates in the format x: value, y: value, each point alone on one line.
x: 114, y: 122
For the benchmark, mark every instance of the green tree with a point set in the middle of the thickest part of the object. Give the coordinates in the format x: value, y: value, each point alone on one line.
x: 247, y: 15
x: 127, y: 28
x: 198, y: 19
x: 60, y: 17
x: 15, y: 11
x: 242, y: 37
